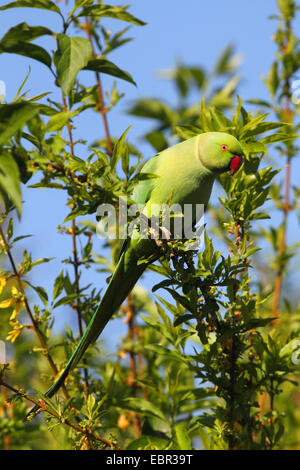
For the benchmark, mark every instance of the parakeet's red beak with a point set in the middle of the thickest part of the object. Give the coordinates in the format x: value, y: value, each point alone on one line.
x: 235, y: 163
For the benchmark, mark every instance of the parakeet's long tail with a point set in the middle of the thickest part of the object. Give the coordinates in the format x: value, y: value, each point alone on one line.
x: 125, y: 276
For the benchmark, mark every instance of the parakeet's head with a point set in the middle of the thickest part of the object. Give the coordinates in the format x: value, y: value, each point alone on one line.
x: 220, y: 152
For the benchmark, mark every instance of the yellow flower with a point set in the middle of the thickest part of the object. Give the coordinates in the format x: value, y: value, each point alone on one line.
x: 16, y: 310
x: 16, y: 301
x: 7, y: 303
x: 15, y: 332
x: 2, y: 283
x: 14, y: 291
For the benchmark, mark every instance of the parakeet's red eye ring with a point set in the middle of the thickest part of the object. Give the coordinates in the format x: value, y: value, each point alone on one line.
x: 224, y: 147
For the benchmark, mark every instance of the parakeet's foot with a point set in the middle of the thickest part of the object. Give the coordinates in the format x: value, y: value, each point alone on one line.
x: 167, y: 234
x: 163, y: 234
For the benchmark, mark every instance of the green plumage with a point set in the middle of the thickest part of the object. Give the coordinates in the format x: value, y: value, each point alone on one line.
x: 184, y: 175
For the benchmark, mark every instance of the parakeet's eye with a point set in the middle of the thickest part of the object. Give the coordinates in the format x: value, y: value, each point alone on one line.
x: 224, y: 147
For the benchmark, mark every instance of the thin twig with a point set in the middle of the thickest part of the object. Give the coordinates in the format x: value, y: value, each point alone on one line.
x: 287, y: 184
x: 7, y: 410
x: 137, y: 425
x: 282, y: 247
x: 101, y: 106
x: 86, y: 432
x: 233, y: 355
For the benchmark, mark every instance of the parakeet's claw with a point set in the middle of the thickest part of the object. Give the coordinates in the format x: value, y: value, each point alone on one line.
x: 163, y: 234
x: 167, y: 234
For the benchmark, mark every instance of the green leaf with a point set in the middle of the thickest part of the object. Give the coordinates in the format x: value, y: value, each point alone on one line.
x: 254, y: 127
x: 10, y: 179
x: 155, y: 109
x: 253, y: 124
x: 180, y: 298
x: 162, y: 351
x: 23, y: 32
x: 48, y: 402
x: 66, y: 300
x: 142, y: 406
x: 287, y: 8
x: 43, y: 4
x: 10, y: 229
x: 13, y: 117
x: 224, y: 63
x: 148, y: 443
x: 40, y: 291
x: 187, y: 131
x: 109, y: 68
x: 277, y: 137
x: 291, y: 347
x: 157, y: 140
x: 58, y: 285
x: 119, y: 148
x: 182, y: 436
x: 41, y: 261
x: 119, y: 13
x: 183, y: 318
x: 58, y: 121
x: 259, y: 322
x: 28, y: 50
x: 273, y: 81
x: 72, y: 55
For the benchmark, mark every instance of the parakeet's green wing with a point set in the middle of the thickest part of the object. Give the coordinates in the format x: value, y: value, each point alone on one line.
x: 142, y: 191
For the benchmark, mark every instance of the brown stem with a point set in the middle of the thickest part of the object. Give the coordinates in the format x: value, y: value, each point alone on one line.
x: 232, y: 372
x: 286, y: 208
x: 137, y: 425
x: 101, y: 106
x: 27, y: 307
x: 7, y: 411
x: 86, y: 432
x: 232, y: 395
x: 76, y: 272
x: 282, y: 247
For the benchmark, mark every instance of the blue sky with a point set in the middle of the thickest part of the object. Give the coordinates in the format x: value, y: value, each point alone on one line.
x: 194, y: 32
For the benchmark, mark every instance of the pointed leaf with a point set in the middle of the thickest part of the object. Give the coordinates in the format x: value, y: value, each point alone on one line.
x: 109, y: 68
x: 43, y: 4
x: 142, y: 406
x: 182, y: 436
x: 118, y: 149
x: 13, y: 117
x: 119, y: 13
x: 28, y: 50
x: 10, y: 179
x: 23, y: 32
x: 72, y: 55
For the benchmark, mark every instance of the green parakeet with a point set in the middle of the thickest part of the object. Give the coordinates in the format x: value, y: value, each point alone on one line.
x: 185, y: 174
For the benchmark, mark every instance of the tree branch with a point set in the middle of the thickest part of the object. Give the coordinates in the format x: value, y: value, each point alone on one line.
x: 86, y: 432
